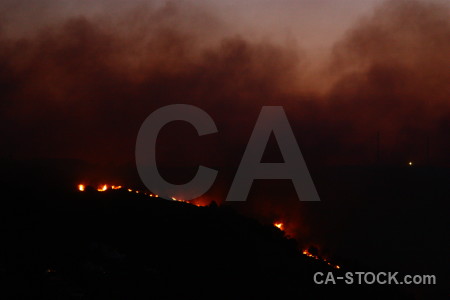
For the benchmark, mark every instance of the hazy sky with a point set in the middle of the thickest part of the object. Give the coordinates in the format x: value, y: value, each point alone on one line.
x: 314, y: 23
x: 89, y: 72
x: 78, y: 78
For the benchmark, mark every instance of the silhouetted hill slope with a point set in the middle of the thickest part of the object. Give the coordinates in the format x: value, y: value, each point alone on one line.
x: 119, y: 245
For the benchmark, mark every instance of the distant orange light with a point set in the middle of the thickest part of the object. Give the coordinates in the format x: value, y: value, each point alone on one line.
x: 116, y: 187
x: 279, y: 225
x: 81, y: 187
x: 307, y: 253
x: 102, y: 188
x: 410, y: 163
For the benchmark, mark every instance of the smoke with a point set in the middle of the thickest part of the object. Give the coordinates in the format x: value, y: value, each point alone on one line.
x: 80, y: 84
x: 78, y: 80
x: 391, y: 77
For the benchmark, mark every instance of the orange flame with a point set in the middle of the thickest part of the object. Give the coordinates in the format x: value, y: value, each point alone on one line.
x: 102, y: 188
x: 105, y: 187
x: 279, y: 225
x: 307, y: 253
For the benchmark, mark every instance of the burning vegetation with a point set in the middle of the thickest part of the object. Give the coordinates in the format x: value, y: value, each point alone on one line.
x: 281, y: 226
x: 106, y: 187
x: 317, y: 257
x: 278, y: 224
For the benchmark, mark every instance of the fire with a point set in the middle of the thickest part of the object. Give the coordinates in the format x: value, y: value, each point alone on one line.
x: 102, y: 188
x: 196, y: 202
x: 307, y: 253
x: 279, y: 225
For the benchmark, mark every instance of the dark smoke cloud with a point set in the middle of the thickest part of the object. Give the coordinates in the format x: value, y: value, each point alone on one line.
x: 392, y: 77
x: 82, y: 88
x: 81, y: 84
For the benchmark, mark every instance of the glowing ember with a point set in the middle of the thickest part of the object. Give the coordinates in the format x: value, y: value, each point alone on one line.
x: 102, y: 188
x: 307, y: 253
x: 279, y: 225
x: 105, y: 187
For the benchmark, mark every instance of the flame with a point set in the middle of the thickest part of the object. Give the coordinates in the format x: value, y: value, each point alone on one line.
x: 198, y: 202
x: 307, y: 253
x: 279, y: 225
x: 102, y: 188
x: 105, y: 187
